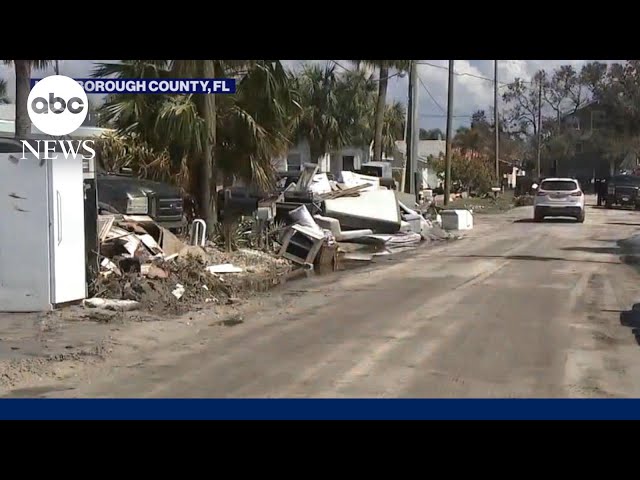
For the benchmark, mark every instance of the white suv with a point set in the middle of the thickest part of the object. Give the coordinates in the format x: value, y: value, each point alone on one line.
x: 559, y: 197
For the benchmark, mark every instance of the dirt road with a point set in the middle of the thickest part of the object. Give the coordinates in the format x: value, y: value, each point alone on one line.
x: 516, y: 309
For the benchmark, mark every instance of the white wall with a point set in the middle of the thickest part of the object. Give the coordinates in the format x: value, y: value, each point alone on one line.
x: 429, y: 177
x: 360, y: 157
x: 328, y: 163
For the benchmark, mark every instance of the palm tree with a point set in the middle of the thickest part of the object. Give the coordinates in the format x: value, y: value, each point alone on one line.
x: 356, y: 94
x: 393, y: 128
x: 23, y: 87
x: 257, y: 123
x: 383, y: 66
x: 4, y: 97
x: 321, y: 121
x: 236, y: 135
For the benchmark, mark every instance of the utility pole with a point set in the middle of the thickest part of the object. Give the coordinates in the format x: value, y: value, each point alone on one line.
x: 57, y: 67
x: 447, y: 173
x: 540, y: 80
x: 496, y: 118
x: 412, y: 130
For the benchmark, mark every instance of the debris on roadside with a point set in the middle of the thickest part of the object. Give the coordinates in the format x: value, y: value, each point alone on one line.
x: 308, y: 225
x: 146, y: 265
x: 324, y: 217
x: 110, y: 304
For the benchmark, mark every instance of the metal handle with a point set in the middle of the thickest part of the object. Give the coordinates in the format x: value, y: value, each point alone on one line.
x: 59, y: 207
x: 198, y: 232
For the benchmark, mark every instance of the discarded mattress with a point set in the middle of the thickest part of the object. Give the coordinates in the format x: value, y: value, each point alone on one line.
x: 376, y: 210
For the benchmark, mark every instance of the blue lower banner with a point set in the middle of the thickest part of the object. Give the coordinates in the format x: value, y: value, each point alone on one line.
x: 320, y: 409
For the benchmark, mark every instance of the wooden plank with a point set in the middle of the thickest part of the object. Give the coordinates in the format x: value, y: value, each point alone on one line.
x: 105, y: 223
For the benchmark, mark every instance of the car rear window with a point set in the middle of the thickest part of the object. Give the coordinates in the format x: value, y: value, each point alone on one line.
x: 559, y: 185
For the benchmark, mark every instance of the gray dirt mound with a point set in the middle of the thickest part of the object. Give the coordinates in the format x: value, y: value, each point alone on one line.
x: 260, y: 272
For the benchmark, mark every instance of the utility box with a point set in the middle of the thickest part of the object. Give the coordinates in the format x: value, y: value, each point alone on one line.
x: 457, y: 219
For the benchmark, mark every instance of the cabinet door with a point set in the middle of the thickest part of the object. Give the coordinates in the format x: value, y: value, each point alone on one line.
x: 66, y: 195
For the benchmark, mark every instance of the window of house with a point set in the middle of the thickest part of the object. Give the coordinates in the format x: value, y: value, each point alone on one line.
x: 348, y: 163
x: 294, y: 161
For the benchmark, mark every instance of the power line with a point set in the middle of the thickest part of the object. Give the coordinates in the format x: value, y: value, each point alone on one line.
x: 427, y: 115
x: 466, y: 74
x: 431, y: 96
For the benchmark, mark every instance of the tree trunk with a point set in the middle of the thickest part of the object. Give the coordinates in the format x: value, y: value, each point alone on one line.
x: 380, y: 108
x: 207, y: 186
x: 23, y: 87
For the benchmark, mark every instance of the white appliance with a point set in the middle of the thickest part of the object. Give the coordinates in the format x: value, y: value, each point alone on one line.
x: 42, y: 238
x: 456, y: 219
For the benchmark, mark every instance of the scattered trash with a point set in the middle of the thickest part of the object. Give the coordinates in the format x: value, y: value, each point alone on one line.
x: 310, y: 223
x: 223, y: 268
x: 110, y: 304
x: 145, y: 263
x: 153, y: 271
x: 178, y: 292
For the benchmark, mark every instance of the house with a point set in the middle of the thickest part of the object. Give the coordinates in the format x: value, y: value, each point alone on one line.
x: 8, y: 118
x: 587, y: 162
x: 348, y: 158
x: 426, y: 149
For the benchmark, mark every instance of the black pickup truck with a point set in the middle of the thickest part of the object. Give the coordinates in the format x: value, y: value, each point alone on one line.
x: 126, y: 194
x: 623, y: 190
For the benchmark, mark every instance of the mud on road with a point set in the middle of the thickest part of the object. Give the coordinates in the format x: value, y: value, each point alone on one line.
x: 515, y: 309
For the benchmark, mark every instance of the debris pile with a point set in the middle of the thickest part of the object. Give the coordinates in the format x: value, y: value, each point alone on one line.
x: 144, y: 263
x: 354, y: 217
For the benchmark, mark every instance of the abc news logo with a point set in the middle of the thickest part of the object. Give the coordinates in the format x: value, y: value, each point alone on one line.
x: 57, y: 105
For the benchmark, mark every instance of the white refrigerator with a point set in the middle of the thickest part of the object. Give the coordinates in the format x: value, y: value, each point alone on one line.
x: 42, y: 238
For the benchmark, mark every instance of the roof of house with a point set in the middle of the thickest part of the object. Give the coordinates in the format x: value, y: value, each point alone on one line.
x: 8, y: 113
x: 571, y: 113
x: 425, y: 148
x: 7, y: 128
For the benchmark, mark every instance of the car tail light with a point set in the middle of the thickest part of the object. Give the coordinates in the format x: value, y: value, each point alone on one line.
x: 576, y: 194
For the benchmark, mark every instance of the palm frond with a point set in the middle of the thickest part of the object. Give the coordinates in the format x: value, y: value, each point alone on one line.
x: 131, y: 69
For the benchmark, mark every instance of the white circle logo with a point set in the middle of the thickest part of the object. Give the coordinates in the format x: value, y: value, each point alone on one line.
x: 57, y: 105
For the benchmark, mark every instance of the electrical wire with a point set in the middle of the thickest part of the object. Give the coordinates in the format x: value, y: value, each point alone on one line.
x: 431, y: 96
x: 466, y: 74
x: 433, y: 115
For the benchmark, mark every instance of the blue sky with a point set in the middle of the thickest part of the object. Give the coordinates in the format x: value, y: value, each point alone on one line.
x: 470, y: 92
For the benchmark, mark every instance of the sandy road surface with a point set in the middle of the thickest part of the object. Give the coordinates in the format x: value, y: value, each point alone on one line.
x: 517, y: 309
